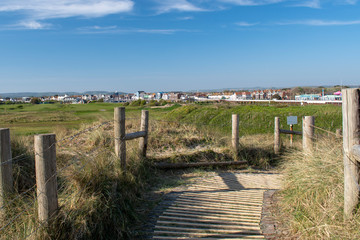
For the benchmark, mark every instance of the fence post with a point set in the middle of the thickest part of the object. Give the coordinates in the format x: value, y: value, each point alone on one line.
x: 351, y: 136
x: 6, y: 178
x: 119, y: 132
x: 45, y: 167
x: 235, y: 134
x: 277, y: 143
x: 144, y: 127
x: 308, y: 133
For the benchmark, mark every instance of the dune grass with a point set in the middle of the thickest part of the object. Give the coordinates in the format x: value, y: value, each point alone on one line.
x: 311, y: 204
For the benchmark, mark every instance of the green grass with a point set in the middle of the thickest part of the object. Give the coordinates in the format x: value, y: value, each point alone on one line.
x: 256, y: 119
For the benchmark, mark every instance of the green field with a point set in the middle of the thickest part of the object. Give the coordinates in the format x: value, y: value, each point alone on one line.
x: 254, y: 119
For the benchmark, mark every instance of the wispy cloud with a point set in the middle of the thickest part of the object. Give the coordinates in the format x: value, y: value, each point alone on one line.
x: 252, y: 2
x: 35, y: 25
x: 177, y: 5
x: 245, y: 24
x: 321, y: 23
x: 47, y: 9
x: 293, y: 3
x: 185, y: 18
x: 309, y: 4
x: 118, y: 30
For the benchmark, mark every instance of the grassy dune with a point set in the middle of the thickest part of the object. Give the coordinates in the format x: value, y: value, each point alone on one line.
x: 99, y: 201
x: 311, y: 204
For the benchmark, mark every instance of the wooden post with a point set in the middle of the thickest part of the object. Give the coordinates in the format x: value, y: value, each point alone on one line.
x: 351, y: 136
x: 308, y: 133
x: 277, y: 135
x: 45, y: 167
x: 144, y: 127
x: 119, y: 132
x: 6, y: 178
x: 235, y: 134
x: 338, y: 133
x: 291, y: 135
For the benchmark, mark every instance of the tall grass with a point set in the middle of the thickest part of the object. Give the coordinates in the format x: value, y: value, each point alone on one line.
x: 97, y: 199
x: 311, y: 204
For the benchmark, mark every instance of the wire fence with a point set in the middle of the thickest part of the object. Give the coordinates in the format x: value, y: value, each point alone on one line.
x: 75, y: 160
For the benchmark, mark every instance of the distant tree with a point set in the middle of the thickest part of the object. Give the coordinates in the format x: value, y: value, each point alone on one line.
x: 135, y: 103
x: 276, y: 96
x: 154, y: 103
x: 35, y: 100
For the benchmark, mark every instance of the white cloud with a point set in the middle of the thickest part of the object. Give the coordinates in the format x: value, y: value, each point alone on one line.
x: 252, y: 2
x: 351, y: 2
x: 186, y: 18
x: 310, y: 4
x: 321, y: 23
x: 245, y: 24
x: 46, y: 9
x: 116, y: 30
x: 32, y: 25
x: 177, y: 5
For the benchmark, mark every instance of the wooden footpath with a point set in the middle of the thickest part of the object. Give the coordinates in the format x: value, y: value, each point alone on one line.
x: 223, y: 205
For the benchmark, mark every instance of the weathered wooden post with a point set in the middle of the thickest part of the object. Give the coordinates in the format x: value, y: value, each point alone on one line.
x: 144, y: 127
x: 119, y: 132
x: 6, y: 177
x: 235, y: 134
x: 351, y: 136
x: 45, y: 167
x: 338, y: 133
x: 277, y: 143
x: 308, y: 133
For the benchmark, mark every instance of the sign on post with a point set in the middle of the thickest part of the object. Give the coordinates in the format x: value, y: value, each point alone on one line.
x: 291, y: 120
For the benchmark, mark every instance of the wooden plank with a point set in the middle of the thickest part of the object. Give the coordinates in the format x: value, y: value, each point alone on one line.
x: 201, y: 164
x: 219, y: 236
x: 209, y: 225
x: 206, y: 220
x: 203, y: 238
x: 219, y: 210
x: 223, y: 216
x: 134, y: 135
x: 184, y: 202
x: 220, y: 199
x: 284, y: 131
x: 184, y: 229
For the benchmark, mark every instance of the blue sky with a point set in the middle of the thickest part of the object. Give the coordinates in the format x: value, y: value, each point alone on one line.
x: 152, y: 45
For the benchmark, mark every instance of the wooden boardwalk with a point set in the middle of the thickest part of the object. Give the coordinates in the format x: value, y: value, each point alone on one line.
x: 220, y: 206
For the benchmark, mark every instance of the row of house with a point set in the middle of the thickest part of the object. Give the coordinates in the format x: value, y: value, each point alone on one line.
x: 181, y: 96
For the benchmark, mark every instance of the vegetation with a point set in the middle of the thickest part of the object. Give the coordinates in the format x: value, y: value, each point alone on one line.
x: 311, y: 204
x: 97, y: 199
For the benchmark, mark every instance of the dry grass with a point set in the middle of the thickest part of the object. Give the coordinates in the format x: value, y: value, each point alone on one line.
x: 97, y: 200
x: 311, y: 204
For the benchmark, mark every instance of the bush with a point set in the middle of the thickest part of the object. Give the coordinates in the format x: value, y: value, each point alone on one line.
x: 35, y: 100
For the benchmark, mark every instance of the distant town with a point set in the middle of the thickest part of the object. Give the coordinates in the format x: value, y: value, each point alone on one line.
x: 300, y: 95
